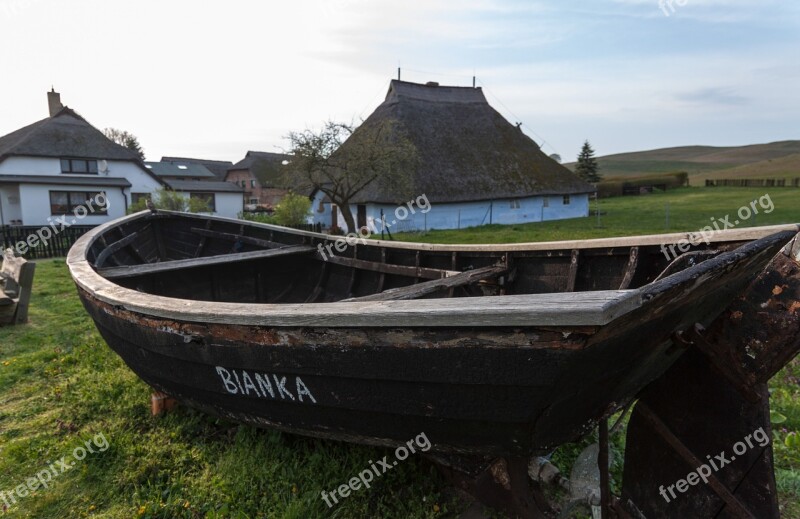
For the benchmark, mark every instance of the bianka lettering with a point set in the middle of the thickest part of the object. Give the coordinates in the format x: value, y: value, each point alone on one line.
x: 241, y: 382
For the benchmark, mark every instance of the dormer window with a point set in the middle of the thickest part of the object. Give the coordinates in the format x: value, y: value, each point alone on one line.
x: 79, y: 166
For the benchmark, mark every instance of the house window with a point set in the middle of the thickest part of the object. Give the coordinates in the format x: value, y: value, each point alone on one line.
x: 80, y: 166
x: 254, y: 201
x: 546, y: 201
x: 63, y: 202
x: 566, y: 199
x: 138, y: 197
x: 252, y: 183
x: 209, y: 198
x: 515, y: 204
x: 244, y: 183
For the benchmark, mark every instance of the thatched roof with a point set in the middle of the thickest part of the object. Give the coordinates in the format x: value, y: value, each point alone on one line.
x: 65, y: 134
x: 466, y: 150
x: 265, y: 166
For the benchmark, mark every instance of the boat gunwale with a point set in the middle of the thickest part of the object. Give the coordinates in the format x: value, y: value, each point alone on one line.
x: 592, y: 308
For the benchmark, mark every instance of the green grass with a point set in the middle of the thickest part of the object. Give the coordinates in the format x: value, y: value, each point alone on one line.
x: 60, y: 385
x: 690, y: 209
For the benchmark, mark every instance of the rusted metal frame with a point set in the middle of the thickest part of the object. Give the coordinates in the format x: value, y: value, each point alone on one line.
x: 202, y: 244
x: 602, y: 462
x: 735, y: 507
x: 323, y: 277
x: 388, y: 268
x: 503, y: 485
x: 237, y: 237
x: 113, y: 248
x: 630, y: 270
x: 573, y: 270
x: 722, y: 359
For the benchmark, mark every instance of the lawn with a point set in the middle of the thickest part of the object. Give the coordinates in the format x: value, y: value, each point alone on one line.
x: 61, y: 387
x: 685, y: 209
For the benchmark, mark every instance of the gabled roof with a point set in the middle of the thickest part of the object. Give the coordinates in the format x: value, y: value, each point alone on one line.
x: 263, y: 165
x: 169, y: 169
x: 466, y: 150
x: 204, y: 186
x: 218, y: 167
x: 66, y: 134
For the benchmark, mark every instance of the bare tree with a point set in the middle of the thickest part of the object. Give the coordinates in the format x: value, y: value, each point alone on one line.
x: 341, y: 160
x: 126, y: 139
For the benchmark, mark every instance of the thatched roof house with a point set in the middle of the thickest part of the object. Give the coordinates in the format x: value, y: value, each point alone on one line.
x: 469, y: 154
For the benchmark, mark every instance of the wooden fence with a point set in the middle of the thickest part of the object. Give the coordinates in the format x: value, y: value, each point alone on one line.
x: 753, y: 182
x: 57, y: 246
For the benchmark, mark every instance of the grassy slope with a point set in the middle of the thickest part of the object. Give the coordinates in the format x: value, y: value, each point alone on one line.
x: 706, y: 161
x: 60, y: 385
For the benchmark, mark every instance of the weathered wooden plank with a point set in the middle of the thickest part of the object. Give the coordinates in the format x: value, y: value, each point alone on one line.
x: 573, y: 270
x: 388, y: 268
x: 237, y: 237
x: 114, y: 247
x: 630, y: 269
x: 166, y: 266
x: 428, y: 287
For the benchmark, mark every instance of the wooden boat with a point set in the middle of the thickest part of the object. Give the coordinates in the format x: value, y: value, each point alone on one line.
x: 488, y: 350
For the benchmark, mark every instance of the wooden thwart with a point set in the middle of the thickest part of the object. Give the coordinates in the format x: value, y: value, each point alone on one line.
x: 114, y: 247
x: 414, y: 291
x: 207, y: 233
x: 388, y: 268
x: 166, y: 266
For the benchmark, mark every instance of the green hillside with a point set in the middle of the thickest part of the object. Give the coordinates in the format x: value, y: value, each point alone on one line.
x: 772, y: 160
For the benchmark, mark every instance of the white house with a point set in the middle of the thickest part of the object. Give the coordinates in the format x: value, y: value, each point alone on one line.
x: 50, y: 169
x: 473, y: 167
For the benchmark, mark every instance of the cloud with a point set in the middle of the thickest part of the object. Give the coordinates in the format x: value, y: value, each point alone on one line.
x: 713, y: 96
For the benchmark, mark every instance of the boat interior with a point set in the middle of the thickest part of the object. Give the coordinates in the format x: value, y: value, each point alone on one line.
x: 220, y: 260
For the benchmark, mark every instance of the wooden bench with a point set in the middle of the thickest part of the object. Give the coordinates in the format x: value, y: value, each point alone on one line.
x: 16, y: 284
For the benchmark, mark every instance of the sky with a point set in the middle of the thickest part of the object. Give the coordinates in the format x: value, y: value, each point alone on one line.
x: 213, y: 79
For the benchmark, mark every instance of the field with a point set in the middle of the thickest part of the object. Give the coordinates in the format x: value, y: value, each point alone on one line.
x: 685, y: 209
x: 772, y: 160
x: 61, y: 386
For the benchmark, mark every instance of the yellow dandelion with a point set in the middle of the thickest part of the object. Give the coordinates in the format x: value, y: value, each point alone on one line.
x: 142, y: 510
x: 436, y: 508
x: 294, y: 489
x: 91, y: 508
x: 186, y: 504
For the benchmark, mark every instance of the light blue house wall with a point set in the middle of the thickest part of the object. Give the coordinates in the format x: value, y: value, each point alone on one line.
x: 467, y: 214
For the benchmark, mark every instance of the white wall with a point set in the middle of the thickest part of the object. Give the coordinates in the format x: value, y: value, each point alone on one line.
x: 10, y: 205
x: 35, y: 199
x: 36, y: 204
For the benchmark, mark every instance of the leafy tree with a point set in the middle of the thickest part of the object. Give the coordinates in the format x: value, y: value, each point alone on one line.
x: 556, y: 157
x: 126, y: 139
x: 587, y: 167
x: 292, y: 210
x: 172, y: 201
x: 374, y: 151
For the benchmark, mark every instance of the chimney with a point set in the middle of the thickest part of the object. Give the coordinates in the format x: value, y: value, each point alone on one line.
x: 54, y: 101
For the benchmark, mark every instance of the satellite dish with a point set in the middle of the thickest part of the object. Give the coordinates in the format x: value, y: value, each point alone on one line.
x: 102, y: 166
